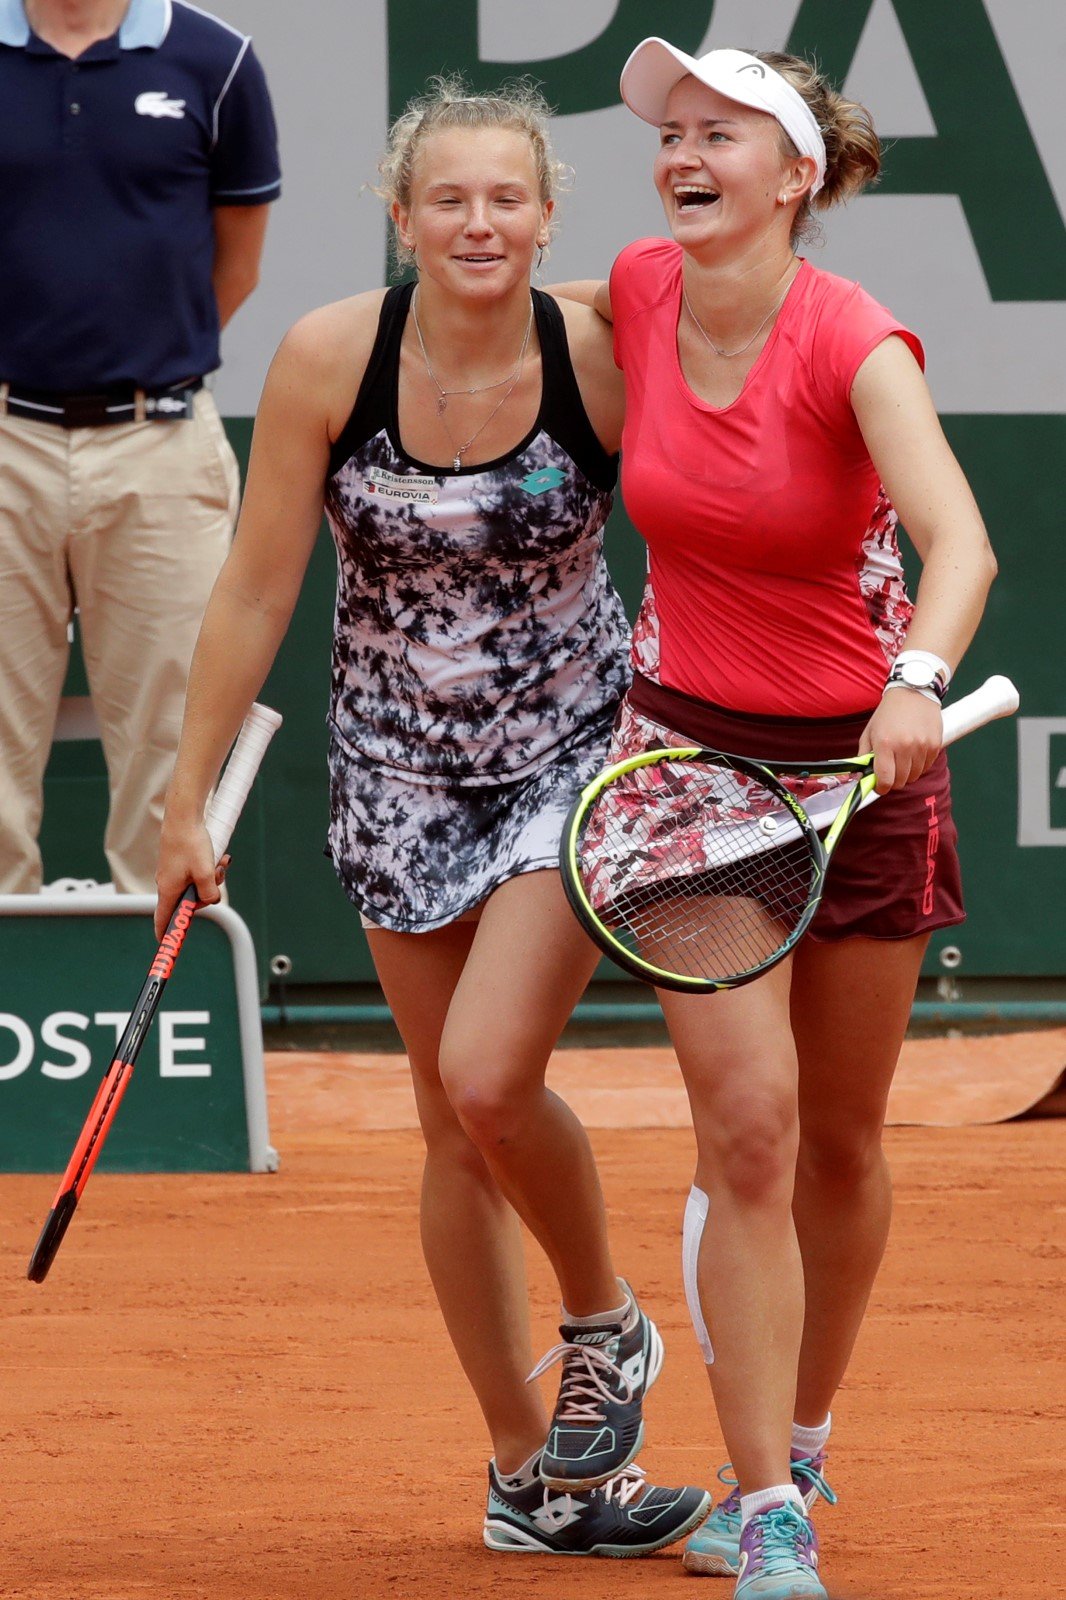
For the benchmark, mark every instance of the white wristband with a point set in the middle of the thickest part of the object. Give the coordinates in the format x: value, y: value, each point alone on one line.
x: 930, y: 694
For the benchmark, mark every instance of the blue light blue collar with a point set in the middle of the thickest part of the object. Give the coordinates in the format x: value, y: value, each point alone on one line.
x: 144, y: 27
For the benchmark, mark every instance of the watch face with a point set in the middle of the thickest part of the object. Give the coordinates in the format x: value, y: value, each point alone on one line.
x: 917, y: 674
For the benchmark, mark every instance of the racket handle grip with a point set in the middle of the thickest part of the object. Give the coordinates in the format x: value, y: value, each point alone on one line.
x: 227, y: 802
x: 997, y: 697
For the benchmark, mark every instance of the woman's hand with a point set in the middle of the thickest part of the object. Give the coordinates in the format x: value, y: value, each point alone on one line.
x: 186, y: 856
x: 906, y: 734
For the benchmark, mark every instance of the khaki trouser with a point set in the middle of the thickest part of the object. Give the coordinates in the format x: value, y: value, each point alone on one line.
x: 131, y: 525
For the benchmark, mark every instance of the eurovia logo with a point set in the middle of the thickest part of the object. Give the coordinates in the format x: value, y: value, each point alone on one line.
x: 154, y: 103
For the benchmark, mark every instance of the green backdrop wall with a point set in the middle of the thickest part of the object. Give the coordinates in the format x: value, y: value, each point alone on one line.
x: 285, y: 888
x: 964, y: 238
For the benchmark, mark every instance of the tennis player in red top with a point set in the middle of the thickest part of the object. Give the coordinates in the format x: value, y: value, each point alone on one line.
x: 777, y: 420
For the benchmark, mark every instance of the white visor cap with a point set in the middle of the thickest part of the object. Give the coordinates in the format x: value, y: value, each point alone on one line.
x: 655, y: 66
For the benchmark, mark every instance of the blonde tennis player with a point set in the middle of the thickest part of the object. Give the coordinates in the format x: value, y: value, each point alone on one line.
x: 461, y: 433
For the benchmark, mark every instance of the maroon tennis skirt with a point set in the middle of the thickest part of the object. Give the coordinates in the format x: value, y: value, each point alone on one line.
x: 895, y: 872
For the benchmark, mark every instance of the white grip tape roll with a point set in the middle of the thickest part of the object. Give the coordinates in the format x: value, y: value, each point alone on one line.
x: 227, y: 802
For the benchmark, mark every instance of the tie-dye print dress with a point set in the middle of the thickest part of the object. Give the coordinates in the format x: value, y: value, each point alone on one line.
x: 479, y: 650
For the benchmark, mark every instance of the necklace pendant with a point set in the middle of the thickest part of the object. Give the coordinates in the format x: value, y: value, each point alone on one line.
x: 457, y: 464
x: 442, y: 405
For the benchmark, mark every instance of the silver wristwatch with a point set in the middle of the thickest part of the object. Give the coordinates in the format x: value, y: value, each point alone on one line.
x: 922, y: 671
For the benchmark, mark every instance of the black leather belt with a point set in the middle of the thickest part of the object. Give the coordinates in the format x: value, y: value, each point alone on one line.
x: 100, y: 409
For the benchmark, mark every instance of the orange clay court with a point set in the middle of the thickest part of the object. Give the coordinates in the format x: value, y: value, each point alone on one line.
x: 238, y: 1388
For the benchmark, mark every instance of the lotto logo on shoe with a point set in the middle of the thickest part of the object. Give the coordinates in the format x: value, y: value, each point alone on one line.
x: 633, y: 1370
x: 554, y: 1515
x: 154, y: 103
x: 601, y: 1336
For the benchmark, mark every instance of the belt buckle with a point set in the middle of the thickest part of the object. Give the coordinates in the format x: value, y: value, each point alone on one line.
x: 173, y: 406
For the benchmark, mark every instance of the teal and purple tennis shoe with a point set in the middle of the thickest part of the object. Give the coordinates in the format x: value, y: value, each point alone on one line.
x: 779, y: 1557
x: 714, y: 1550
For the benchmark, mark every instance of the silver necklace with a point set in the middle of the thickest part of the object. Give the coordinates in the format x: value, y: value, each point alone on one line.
x: 460, y: 450
x: 444, y: 395
x: 728, y: 355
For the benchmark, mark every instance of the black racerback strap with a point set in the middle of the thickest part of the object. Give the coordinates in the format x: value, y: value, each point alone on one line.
x: 562, y: 410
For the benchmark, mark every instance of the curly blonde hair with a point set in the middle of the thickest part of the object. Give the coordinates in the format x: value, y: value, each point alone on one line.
x: 852, y: 148
x: 517, y: 105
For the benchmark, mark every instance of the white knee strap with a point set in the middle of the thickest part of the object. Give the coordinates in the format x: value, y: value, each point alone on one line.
x: 691, y: 1234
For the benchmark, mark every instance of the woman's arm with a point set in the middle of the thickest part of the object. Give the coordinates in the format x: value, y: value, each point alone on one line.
x: 303, y: 406
x: 926, y: 485
x: 600, y: 381
x: 592, y: 292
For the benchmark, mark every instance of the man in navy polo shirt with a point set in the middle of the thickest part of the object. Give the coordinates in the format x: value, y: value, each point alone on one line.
x: 138, y: 158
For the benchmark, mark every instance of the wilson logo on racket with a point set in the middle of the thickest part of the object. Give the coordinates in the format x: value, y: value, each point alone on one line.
x: 172, y: 941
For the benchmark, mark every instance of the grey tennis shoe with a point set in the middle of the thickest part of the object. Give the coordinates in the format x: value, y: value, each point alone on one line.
x: 598, y: 1425
x: 626, y: 1516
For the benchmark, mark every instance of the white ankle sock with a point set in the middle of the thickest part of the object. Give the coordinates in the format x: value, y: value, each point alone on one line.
x: 625, y: 1314
x: 523, y: 1477
x: 809, y: 1441
x: 752, y: 1504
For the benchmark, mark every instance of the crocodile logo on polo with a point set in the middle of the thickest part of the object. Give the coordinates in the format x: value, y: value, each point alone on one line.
x: 154, y: 103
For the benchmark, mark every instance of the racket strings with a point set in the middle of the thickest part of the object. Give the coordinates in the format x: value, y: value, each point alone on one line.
x: 696, y: 869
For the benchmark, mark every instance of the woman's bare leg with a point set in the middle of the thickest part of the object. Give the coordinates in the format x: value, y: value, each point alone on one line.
x: 480, y: 1007
x: 738, y: 1060
x: 527, y: 968
x: 470, y: 1235
x: 851, y: 1002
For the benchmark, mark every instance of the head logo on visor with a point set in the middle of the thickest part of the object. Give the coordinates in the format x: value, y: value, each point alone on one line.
x: 655, y: 66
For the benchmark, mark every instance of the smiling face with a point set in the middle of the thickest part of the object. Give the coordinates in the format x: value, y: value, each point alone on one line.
x: 475, y: 215
x: 721, y: 170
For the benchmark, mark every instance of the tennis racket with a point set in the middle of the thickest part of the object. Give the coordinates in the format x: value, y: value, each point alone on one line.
x: 225, y: 807
x: 698, y: 871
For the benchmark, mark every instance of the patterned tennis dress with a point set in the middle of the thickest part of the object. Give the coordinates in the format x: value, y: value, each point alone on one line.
x: 479, y: 649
